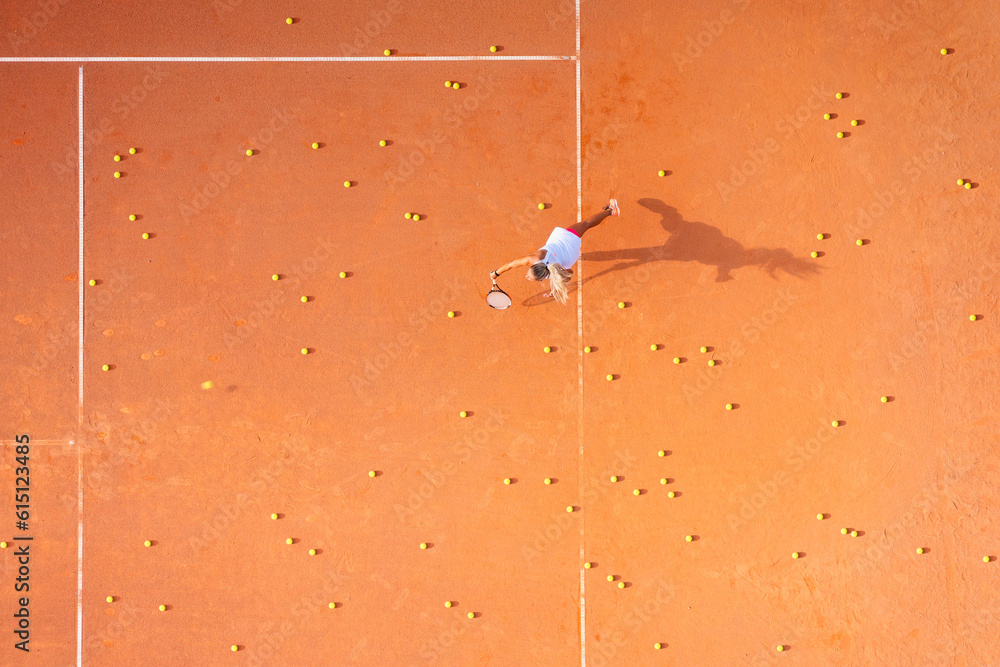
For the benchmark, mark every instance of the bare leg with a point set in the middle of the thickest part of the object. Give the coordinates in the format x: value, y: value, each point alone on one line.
x: 594, y: 220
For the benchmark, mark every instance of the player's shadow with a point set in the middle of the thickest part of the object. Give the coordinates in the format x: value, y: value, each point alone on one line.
x: 693, y: 242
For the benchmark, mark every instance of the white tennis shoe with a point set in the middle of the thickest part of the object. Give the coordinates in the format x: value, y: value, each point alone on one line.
x: 613, y: 207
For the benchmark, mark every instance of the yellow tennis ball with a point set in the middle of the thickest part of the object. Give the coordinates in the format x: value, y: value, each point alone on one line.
x: 163, y: 607
x: 387, y: 52
x: 109, y: 599
x: 780, y: 647
x: 860, y: 241
x: 416, y: 216
x: 471, y: 615
x: 304, y: 350
x: 854, y: 533
x: 614, y: 478
x: 332, y: 605
x: 463, y: 413
x: 347, y: 184
x: 843, y: 531
x: 569, y: 509
x: 663, y: 480
x: 493, y: 49
x: 795, y: 554
x: 677, y: 360
x: 821, y: 236
x: 636, y: 492
x: 729, y: 406
x: 968, y: 186
x: 315, y: 144
x: 371, y: 473
x: 609, y: 378
x: 304, y: 299
x: 289, y: 21
x: 343, y: 274
x: 826, y: 116
x: 885, y: 399
x: 118, y: 174
x: 986, y: 559
x: 548, y: 481
x: 407, y: 215
x: 455, y: 85
x: 840, y: 135
x: 118, y: 158
x: 688, y: 538
x: 657, y: 645
x: 145, y: 235
x: 671, y: 494
x: 423, y: 545
x: 621, y: 304
x: 835, y: 423
x: 703, y: 350
x: 105, y: 367
x: 451, y: 313
x: 662, y: 452
x: 944, y: 52
x: 587, y: 349
x: 249, y: 152
x: 131, y: 151
x: 275, y: 276
x: 587, y: 566
x: 274, y: 517
x: 819, y: 517
x: 814, y: 254
x: 92, y: 283
x: 234, y: 647
x: 621, y: 584
x: 381, y: 142
x: 839, y: 96
x: 132, y: 217
x: 854, y: 123
x: 653, y: 347
x: 447, y: 84
x: 973, y: 317
x: 711, y: 362
x: 312, y: 552
x: 541, y: 206
x: 506, y: 480
x: 611, y: 577
x: 147, y: 543
x: 961, y: 181
x: 289, y: 541
x: 661, y: 173
x: 919, y: 550
x: 547, y: 349
x: 447, y: 604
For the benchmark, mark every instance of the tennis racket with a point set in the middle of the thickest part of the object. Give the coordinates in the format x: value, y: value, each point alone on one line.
x: 497, y: 298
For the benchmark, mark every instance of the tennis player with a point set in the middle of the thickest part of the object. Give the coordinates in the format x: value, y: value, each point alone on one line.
x: 553, y: 260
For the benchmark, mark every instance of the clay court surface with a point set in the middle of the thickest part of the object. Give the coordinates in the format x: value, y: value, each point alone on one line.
x: 210, y: 418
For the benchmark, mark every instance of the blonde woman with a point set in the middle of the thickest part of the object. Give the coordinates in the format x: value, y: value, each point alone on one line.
x: 553, y: 260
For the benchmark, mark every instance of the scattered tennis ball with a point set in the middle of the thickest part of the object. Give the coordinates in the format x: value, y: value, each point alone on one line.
x: 587, y: 566
x: 661, y: 173
x: 854, y: 123
x: 920, y: 550
x: 843, y: 531
x: 381, y: 142
x: 621, y: 584
x: 455, y: 85
x: 163, y: 607
x: 663, y: 480
x: 819, y: 517
x: 387, y: 52
x: 407, y: 215
x: 548, y: 480
x: 315, y: 145
x: 332, y: 605
x: 289, y: 541
x: 662, y: 452
x: 131, y: 151
x: 234, y: 647
x: 147, y: 543
x: 463, y: 414
x: 423, y: 545
x: 688, y: 538
x: 657, y: 645
x: 621, y: 304
x: 506, y: 480
x: 839, y: 96
x: 289, y: 21
x: 92, y: 283
x: 973, y: 317
x: 541, y: 206
x: 636, y: 492
x: 711, y: 362
x: 447, y: 84
x: 826, y: 116
x: 885, y: 399
x: 132, y: 217
x: 703, y: 349
x: 371, y: 473
x: 780, y: 647
x: 944, y: 52
x: 451, y: 313
x: 305, y: 350
x: 274, y: 517
x: 493, y: 49
x: 109, y: 599
x: 145, y: 235
x: 547, y: 349
x: 105, y: 367
x: 347, y: 184
x: 471, y: 615
x: 814, y: 254
x: 835, y: 423
x: 416, y: 216
x: 961, y: 181
x: 275, y: 276
x: 677, y: 360
x: 986, y: 559
x: 671, y: 494
x: 448, y: 604
x: 614, y: 478
x: 249, y: 152
x: 587, y: 349
x: 729, y: 406
x: 840, y: 135
x: 653, y: 347
x: 611, y: 577
x: 968, y: 186
x: 795, y: 554
x: 118, y: 174
x: 854, y: 533
x: 312, y: 552
x: 609, y: 378
x: 118, y: 158
x: 304, y: 299
x: 569, y: 509
x: 343, y: 274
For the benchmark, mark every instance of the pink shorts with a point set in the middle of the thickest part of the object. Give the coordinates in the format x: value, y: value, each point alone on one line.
x: 573, y: 231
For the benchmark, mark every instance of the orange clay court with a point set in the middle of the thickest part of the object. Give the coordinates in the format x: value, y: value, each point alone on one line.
x: 296, y: 457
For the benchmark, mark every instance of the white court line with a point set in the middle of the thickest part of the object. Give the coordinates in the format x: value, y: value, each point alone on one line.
x: 79, y: 450
x: 579, y: 333
x: 272, y: 59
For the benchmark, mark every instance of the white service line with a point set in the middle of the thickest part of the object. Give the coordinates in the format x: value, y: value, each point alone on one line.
x: 79, y: 449
x: 579, y: 333
x: 271, y: 59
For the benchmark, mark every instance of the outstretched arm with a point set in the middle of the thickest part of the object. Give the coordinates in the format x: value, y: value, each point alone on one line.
x: 524, y: 261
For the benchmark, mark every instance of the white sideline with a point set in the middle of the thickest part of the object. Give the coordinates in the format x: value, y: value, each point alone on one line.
x: 79, y: 449
x: 579, y: 333
x: 269, y: 59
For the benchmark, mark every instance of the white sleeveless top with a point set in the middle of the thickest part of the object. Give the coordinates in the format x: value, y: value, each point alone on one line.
x: 563, y: 248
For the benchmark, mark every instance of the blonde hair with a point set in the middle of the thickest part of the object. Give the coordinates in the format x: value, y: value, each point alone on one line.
x: 558, y: 280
